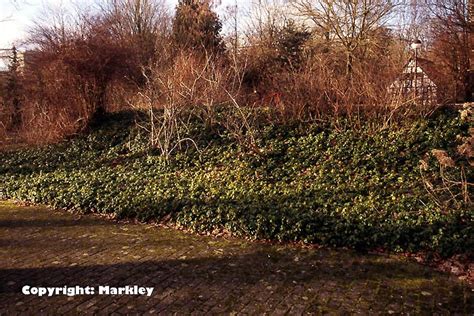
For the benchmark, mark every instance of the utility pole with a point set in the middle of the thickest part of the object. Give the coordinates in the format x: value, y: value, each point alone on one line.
x: 13, y: 88
x: 416, y: 45
x: 470, y: 8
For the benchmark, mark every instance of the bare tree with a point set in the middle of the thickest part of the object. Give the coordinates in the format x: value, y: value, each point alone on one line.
x: 232, y: 20
x: 15, y: 4
x: 139, y: 20
x: 264, y: 19
x: 451, y: 30
x: 350, y: 22
x: 137, y: 17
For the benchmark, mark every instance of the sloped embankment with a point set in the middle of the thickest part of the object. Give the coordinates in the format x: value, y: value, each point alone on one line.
x: 314, y: 184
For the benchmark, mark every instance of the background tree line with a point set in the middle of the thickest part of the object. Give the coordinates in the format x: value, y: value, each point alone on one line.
x: 282, y: 62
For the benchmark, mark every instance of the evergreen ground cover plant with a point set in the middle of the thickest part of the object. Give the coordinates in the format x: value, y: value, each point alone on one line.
x: 311, y: 183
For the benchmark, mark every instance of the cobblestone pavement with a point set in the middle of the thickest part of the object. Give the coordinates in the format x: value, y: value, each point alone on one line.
x: 203, y: 275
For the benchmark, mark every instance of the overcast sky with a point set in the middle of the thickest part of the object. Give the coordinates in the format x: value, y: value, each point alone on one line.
x: 17, y: 15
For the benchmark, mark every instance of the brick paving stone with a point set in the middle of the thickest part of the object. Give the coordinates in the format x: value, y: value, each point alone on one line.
x: 203, y: 275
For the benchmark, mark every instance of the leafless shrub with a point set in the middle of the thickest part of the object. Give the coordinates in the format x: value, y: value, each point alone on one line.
x: 448, y: 186
x: 44, y: 126
x: 319, y: 88
x: 167, y: 119
x: 443, y: 158
x: 175, y: 93
x: 453, y: 182
x: 190, y: 88
x: 84, y: 63
x: 54, y: 105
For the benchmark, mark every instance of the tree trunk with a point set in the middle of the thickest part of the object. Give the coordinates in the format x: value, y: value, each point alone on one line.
x: 99, y: 103
x: 349, y: 63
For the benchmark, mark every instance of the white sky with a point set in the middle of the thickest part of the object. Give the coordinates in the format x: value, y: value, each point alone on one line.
x: 16, y: 16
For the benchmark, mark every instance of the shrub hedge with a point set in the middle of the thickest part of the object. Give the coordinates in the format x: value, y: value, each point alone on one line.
x: 313, y: 184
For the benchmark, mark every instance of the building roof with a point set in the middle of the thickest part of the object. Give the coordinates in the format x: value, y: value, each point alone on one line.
x: 418, y: 79
x: 424, y: 66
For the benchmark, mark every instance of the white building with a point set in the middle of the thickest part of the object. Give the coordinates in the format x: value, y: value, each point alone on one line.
x: 416, y: 83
